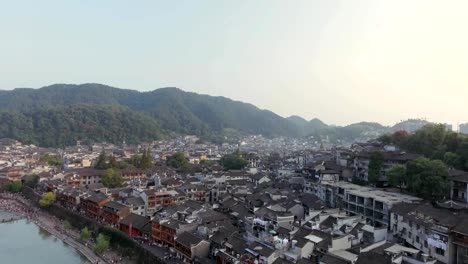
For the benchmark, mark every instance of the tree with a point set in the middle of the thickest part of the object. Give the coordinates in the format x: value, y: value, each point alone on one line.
x: 452, y: 160
x: 397, y: 176
x: 428, y: 178
x: 146, y: 160
x: 85, y: 234
x: 31, y: 180
x: 179, y: 162
x: 234, y: 161
x: 112, y: 178
x: 47, y: 199
x: 113, y: 163
x: 67, y: 225
x: 52, y: 160
x: 14, y: 187
x: 101, y: 163
x: 376, y: 161
x: 102, y: 244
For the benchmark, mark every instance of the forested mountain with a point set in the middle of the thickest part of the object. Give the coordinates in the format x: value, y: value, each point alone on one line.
x: 306, y: 127
x: 63, y: 126
x: 174, y: 109
x: 60, y: 114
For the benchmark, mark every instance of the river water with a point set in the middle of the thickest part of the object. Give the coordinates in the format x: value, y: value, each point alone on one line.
x: 22, y: 242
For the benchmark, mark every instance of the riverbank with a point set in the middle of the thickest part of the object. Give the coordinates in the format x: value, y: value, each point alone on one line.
x: 19, y: 206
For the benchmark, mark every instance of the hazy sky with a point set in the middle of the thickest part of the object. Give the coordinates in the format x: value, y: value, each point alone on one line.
x: 340, y: 61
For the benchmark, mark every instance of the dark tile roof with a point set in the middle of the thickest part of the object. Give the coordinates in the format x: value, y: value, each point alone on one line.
x: 211, y: 216
x: 114, y: 205
x: 458, y: 175
x: 330, y: 259
x: 188, y: 239
x: 428, y: 215
x: 97, y: 197
x: 312, y: 201
x: 262, y: 249
x: 329, y: 222
x: 282, y: 261
x: 237, y: 244
x: 141, y: 223
x: 135, y: 201
x: 372, y: 258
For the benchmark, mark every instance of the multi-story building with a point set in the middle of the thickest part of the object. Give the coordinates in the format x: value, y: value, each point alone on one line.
x: 69, y: 197
x: 10, y: 174
x: 429, y: 229
x: 165, y: 231
x: 84, y: 177
x: 133, y: 174
x: 92, y: 203
x: 391, y: 158
x: 112, y: 212
x: 371, y: 203
x: 189, y: 246
x: 459, y: 186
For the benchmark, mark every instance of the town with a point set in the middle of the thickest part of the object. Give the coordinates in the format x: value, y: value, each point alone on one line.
x: 260, y: 200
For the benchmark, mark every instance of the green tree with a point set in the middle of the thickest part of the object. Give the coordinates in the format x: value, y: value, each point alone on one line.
x: 428, y: 178
x: 52, y: 160
x: 397, y: 176
x: 31, y: 180
x: 85, y: 234
x: 67, y: 225
x: 462, y: 152
x: 146, y: 160
x: 112, y: 178
x: 101, y: 163
x: 234, y: 161
x: 452, y: 160
x: 14, y: 187
x: 179, y: 162
x: 113, y: 163
x: 47, y: 199
x: 376, y: 161
x: 427, y: 140
x: 102, y: 244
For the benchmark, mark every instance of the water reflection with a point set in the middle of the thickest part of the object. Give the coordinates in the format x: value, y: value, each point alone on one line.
x: 24, y: 242
x: 44, y: 234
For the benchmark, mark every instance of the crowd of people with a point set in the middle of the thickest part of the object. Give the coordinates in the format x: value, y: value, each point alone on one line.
x: 17, y: 206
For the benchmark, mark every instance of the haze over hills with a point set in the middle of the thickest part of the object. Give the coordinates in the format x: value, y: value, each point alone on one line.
x: 60, y: 114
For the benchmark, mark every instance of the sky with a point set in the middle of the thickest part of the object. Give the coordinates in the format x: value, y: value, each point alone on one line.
x: 340, y: 61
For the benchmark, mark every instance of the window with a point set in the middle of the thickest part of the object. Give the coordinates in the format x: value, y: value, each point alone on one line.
x: 417, y: 227
x: 410, y: 235
x: 440, y: 251
x: 425, y: 243
x: 410, y: 224
x: 417, y: 239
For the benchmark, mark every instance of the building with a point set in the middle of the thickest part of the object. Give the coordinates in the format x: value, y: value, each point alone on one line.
x: 190, y: 246
x: 391, y: 159
x: 459, y: 186
x: 92, y: 203
x: 135, y: 225
x: 10, y: 174
x: 133, y: 174
x: 429, y: 229
x: 165, y: 231
x: 84, y: 177
x: 112, y: 212
x: 371, y: 203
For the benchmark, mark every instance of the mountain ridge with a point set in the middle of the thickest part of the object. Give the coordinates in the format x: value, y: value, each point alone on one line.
x: 171, y: 109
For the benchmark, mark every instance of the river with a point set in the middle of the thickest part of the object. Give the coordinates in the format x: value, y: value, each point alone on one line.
x: 22, y: 242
